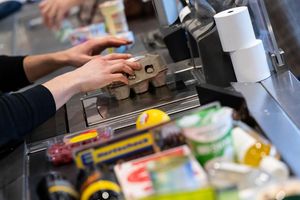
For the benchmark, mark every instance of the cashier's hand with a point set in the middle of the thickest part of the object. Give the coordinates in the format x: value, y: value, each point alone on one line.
x: 93, y: 75
x: 99, y: 73
x: 54, y: 11
x: 83, y: 53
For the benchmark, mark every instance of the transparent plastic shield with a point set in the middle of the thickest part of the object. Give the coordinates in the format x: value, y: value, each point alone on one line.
x: 167, y: 11
x: 264, y: 31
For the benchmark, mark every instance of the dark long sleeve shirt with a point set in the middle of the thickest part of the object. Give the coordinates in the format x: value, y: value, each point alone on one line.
x: 20, y: 112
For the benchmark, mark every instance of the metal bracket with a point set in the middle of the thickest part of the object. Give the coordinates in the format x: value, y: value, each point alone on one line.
x: 278, y: 60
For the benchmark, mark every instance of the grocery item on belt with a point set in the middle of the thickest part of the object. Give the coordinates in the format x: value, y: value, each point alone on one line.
x: 223, y: 173
x: 153, y: 70
x: 135, y: 178
x: 89, y: 136
x: 128, y: 35
x: 168, y: 136
x: 286, y: 190
x: 151, y: 118
x: 98, y: 183
x: 122, y: 147
x: 164, y: 171
x: 250, y: 150
x: 276, y: 168
x: 135, y: 144
x: 56, y: 187
x: 65, y: 30
x: 227, y: 193
x: 85, y: 33
x: 114, y: 14
x: 119, y: 90
x: 203, y: 193
x: 61, y: 152
x: 131, y: 145
x: 208, y: 132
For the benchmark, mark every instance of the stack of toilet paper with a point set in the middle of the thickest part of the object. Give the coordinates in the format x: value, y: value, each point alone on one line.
x: 237, y: 38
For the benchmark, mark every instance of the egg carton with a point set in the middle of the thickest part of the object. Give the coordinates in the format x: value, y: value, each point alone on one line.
x: 153, y: 70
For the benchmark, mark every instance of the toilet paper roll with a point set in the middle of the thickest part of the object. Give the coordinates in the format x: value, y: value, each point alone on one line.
x: 235, y: 29
x: 250, y: 64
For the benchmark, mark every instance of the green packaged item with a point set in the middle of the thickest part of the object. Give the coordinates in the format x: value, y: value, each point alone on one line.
x: 205, y: 193
x: 230, y: 193
x: 164, y: 171
x: 208, y: 133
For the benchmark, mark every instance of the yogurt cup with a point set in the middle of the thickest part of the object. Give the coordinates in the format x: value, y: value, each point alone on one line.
x: 114, y: 15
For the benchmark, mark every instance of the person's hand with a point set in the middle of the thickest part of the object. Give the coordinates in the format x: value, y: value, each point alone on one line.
x: 93, y: 75
x: 54, y: 11
x: 81, y: 54
x: 99, y: 73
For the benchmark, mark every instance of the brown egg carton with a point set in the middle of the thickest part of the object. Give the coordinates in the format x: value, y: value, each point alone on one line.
x: 153, y: 70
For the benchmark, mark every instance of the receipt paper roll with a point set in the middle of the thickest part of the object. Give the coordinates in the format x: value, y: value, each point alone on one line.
x: 235, y: 29
x: 250, y: 64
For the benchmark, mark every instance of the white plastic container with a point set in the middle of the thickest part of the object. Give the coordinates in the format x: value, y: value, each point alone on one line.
x: 114, y: 14
x: 209, y: 134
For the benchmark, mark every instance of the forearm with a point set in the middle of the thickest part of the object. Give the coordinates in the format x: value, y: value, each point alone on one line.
x: 38, y: 66
x: 21, y: 112
x: 95, y: 74
x: 78, y: 2
x: 63, y: 88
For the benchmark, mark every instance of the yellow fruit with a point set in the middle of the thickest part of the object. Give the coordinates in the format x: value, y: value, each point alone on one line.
x: 83, y: 137
x: 151, y: 118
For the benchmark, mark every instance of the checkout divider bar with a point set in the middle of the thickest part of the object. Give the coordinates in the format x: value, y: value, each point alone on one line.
x: 136, y: 113
x: 125, y: 121
x: 173, y: 112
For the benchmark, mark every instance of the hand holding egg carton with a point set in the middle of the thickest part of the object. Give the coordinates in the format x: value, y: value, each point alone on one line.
x: 153, y: 70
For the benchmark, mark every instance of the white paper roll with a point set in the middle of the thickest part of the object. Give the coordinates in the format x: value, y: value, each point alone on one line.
x: 250, y: 64
x: 235, y: 29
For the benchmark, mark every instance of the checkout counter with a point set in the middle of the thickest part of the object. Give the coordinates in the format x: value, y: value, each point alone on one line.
x: 273, y: 103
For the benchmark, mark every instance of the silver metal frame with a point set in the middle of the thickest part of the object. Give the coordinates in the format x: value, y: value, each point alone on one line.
x: 277, y: 56
x: 274, y: 117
